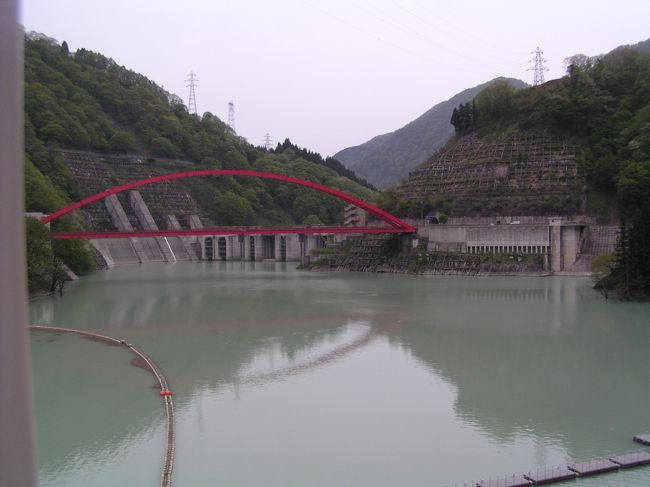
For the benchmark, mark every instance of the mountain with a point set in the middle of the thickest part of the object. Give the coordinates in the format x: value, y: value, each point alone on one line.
x: 87, y: 102
x: 388, y: 158
x: 91, y: 123
x: 643, y: 46
x: 575, y: 144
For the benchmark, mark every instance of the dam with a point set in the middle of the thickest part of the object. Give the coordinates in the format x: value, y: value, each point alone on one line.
x: 567, y: 244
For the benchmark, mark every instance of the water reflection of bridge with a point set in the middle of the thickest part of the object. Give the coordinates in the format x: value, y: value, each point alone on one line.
x: 551, y: 338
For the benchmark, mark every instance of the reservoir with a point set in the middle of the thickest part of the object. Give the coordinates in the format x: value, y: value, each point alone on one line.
x: 288, y: 378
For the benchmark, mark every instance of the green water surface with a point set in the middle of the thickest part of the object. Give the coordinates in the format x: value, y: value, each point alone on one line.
x: 288, y: 378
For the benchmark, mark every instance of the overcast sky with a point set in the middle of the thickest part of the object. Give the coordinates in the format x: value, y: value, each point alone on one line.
x: 331, y: 74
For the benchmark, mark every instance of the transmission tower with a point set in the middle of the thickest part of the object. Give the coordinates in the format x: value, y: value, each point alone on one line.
x: 192, y: 80
x: 538, y: 66
x: 267, y: 141
x: 231, y: 115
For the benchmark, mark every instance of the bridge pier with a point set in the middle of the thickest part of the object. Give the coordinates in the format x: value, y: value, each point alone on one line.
x: 233, y: 250
x: 219, y: 247
x: 255, y: 248
x: 280, y: 248
x: 268, y: 247
x: 292, y: 248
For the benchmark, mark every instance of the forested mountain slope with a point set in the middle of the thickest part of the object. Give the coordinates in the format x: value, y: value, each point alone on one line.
x: 87, y: 103
x: 388, y: 158
x: 599, y: 115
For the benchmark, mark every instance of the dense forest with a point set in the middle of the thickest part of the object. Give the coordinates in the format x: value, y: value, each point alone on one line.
x: 315, y: 157
x: 83, y: 100
x: 602, y: 106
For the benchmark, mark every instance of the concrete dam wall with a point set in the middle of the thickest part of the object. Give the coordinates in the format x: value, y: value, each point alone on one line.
x: 570, y: 246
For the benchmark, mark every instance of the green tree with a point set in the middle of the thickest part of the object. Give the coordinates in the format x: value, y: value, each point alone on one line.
x: 43, y: 271
x: 40, y: 195
x: 232, y: 209
x: 309, y: 203
x: 601, y: 271
x: 54, y: 133
x: 235, y: 160
x: 162, y: 147
x: 495, y: 102
x: 78, y: 255
x: 312, y: 220
x: 121, y: 142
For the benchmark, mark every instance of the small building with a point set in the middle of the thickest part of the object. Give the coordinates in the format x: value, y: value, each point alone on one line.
x: 354, y: 216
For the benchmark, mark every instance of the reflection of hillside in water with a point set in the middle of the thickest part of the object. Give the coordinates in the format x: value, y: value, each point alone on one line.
x: 176, y: 297
x: 103, y: 412
x: 243, y: 333
x: 208, y: 327
x: 552, y: 360
x: 545, y: 358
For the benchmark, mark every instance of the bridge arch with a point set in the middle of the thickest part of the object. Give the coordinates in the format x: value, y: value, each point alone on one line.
x: 393, y: 221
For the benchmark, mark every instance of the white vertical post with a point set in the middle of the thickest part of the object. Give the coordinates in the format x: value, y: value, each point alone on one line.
x: 17, y: 464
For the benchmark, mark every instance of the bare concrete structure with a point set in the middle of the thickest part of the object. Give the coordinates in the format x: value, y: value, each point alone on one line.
x: 255, y: 248
x: 117, y: 213
x: 148, y: 223
x: 569, y: 246
x: 354, y: 216
x: 134, y: 250
x: 565, y: 244
x: 491, y: 239
x: 181, y: 248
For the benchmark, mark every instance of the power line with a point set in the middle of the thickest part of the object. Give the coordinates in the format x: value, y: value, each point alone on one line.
x: 386, y: 41
x: 449, y: 35
x: 389, y: 19
x: 461, y: 33
x: 191, y: 103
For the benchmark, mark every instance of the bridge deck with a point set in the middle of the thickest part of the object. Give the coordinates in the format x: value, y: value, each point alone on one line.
x: 312, y: 230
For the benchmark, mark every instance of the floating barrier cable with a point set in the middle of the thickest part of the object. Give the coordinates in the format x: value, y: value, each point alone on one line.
x: 165, y: 392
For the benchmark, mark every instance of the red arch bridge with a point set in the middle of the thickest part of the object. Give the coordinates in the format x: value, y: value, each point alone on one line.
x: 394, y: 224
